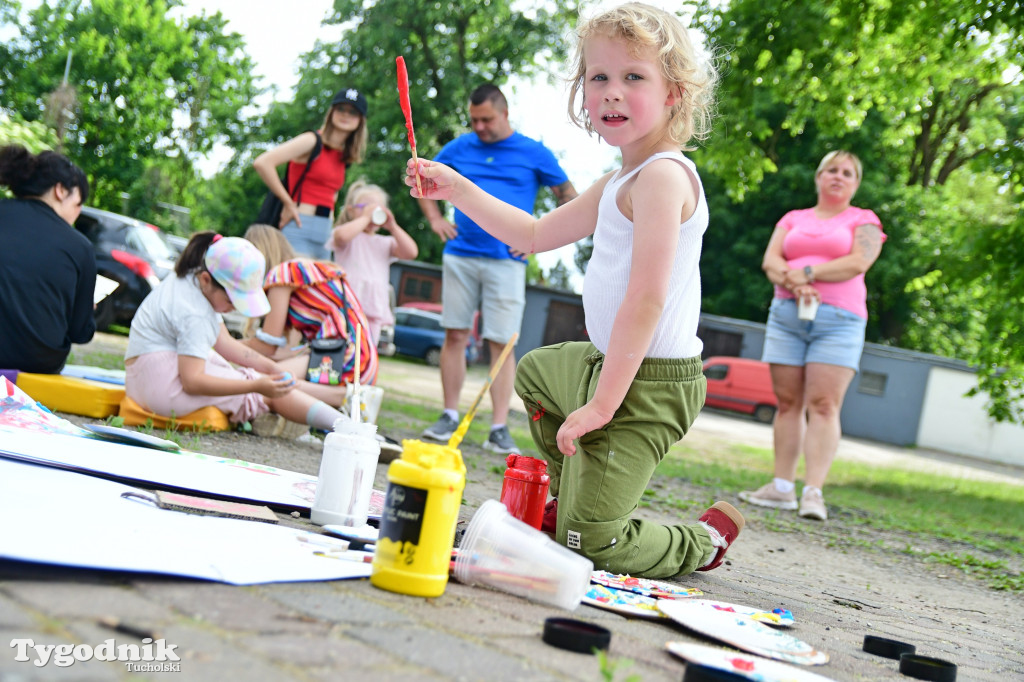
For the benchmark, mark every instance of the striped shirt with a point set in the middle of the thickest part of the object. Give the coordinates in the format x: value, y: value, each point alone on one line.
x: 322, y: 306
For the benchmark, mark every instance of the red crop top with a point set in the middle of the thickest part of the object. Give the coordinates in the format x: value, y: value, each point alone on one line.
x: 324, y: 180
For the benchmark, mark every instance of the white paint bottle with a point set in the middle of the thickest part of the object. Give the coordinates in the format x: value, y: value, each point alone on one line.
x: 347, y: 470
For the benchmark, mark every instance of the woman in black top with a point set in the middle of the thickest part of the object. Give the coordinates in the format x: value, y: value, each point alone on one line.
x: 47, y: 269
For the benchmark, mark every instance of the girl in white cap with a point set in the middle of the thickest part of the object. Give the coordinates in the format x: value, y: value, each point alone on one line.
x: 308, y: 201
x: 180, y: 353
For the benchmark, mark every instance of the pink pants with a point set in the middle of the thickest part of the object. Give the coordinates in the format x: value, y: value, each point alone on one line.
x: 153, y: 382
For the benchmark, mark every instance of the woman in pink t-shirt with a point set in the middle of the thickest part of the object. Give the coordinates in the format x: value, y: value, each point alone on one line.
x: 817, y: 256
x: 367, y: 255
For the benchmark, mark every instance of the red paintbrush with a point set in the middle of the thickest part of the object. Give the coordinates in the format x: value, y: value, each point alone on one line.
x: 403, y: 100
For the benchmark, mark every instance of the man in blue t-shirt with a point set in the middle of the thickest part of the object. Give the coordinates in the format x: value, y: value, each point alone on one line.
x: 480, y: 271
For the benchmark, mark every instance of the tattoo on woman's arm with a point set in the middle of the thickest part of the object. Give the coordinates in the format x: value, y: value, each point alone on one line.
x: 870, y: 243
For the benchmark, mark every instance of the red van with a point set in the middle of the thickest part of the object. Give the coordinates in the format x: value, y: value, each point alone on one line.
x: 742, y: 385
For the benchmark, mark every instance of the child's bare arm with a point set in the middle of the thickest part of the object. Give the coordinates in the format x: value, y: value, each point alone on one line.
x: 661, y: 194
x: 404, y: 246
x: 233, y: 350
x: 195, y: 381
x: 517, y: 228
x: 345, y: 232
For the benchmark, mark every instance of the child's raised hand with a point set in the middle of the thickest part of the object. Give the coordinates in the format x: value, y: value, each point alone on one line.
x: 579, y: 423
x: 437, y: 180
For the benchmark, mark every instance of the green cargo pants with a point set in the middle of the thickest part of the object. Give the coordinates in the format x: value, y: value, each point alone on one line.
x: 599, y: 487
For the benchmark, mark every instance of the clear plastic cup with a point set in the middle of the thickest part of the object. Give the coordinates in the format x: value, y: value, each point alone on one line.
x: 807, y: 307
x: 501, y: 552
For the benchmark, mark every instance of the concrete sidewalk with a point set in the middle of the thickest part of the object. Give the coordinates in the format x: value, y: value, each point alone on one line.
x: 350, y: 630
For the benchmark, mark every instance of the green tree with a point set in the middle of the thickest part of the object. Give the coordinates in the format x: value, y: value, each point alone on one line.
x: 928, y: 95
x: 153, y: 94
x: 559, y: 277
x: 449, y: 48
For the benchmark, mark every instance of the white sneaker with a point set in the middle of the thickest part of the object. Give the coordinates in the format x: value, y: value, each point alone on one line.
x: 769, y: 496
x: 812, y: 505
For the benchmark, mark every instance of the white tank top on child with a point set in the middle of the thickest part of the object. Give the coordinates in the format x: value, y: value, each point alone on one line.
x: 604, y: 285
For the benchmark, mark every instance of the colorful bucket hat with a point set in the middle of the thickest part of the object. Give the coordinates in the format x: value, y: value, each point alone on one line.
x: 239, y: 267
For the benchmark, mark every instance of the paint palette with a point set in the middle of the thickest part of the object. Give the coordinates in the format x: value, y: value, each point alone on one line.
x: 782, y: 618
x: 753, y: 667
x: 643, y: 586
x: 623, y: 602
x: 130, y: 437
x: 741, y: 631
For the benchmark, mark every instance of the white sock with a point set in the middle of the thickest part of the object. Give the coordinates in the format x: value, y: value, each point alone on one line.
x: 809, y: 488
x: 454, y: 414
x: 784, y: 486
x: 717, y: 541
x: 495, y: 427
x: 320, y: 415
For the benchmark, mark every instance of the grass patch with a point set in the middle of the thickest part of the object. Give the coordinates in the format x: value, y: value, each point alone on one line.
x: 102, y: 359
x: 981, y: 522
x: 399, y: 413
x: 189, y: 439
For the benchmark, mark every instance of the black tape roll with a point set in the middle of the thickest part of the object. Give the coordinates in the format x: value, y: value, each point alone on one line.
x: 927, y: 668
x: 889, y: 648
x: 576, y: 635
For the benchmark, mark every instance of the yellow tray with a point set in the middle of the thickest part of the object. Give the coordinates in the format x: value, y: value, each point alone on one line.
x: 73, y: 395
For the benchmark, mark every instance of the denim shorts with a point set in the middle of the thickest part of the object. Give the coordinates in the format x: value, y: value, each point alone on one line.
x: 310, y: 239
x: 834, y: 337
x: 496, y: 286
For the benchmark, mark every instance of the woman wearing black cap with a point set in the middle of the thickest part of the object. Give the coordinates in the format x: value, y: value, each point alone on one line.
x: 307, y: 215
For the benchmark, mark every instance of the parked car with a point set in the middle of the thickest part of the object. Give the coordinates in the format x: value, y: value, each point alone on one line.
x: 475, y: 345
x: 130, y: 252
x: 419, y: 333
x: 742, y: 385
x: 176, y: 243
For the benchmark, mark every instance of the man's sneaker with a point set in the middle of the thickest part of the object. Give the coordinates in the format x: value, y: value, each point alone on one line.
x: 442, y: 430
x: 812, y: 505
x: 723, y: 523
x: 768, y: 496
x: 549, y: 522
x: 500, y: 441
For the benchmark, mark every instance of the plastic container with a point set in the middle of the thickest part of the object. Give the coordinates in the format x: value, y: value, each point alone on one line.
x: 417, y: 526
x: 807, y: 308
x: 501, y: 552
x: 379, y: 216
x: 524, y: 491
x: 347, y: 470
x: 370, y: 399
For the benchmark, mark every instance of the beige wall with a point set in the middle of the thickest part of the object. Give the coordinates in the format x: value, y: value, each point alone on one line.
x: 952, y: 423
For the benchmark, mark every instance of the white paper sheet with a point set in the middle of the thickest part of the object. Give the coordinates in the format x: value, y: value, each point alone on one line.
x: 61, y: 517
x: 217, y: 476
x: 104, y: 287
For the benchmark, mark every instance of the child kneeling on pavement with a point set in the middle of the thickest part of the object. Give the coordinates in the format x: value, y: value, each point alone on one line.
x: 633, y: 391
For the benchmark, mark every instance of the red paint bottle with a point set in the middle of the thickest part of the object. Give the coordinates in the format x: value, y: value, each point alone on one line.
x: 525, y: 488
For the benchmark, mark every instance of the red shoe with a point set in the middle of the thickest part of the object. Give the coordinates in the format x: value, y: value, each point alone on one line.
x: 550, y: 520
x: 725, y: 521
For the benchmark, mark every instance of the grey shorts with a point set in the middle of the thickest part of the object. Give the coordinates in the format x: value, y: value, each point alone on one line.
x: 497, y: 287
x: 834, y: 337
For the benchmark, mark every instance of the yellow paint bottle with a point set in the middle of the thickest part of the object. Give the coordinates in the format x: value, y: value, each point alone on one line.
x: 417, y: 527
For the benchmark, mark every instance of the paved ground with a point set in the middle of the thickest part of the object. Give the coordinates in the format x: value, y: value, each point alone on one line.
x: 349, y: 630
